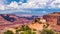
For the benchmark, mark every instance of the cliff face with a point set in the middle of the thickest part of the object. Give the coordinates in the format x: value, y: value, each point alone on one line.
x: 53, y: 18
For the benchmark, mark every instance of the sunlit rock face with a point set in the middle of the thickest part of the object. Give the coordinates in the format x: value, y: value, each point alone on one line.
x: 53, y: 18
x: 42, y: 20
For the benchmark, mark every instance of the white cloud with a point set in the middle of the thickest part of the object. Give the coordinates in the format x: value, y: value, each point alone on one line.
x: 15, y: 7
x: 30, y: 4
x: 2, y: 7
x: 13, y: 4
x: 41, y: 1
x: 34, y: 4
x: 20, y: 3
x: 55, y: 4
x: 57, y: 1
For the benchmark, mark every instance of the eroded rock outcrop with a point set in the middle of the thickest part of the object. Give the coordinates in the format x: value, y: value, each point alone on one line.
x: 54, y: 20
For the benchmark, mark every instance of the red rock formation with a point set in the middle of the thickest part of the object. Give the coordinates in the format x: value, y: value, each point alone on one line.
x: 54, y: 20
x: 5, y: 23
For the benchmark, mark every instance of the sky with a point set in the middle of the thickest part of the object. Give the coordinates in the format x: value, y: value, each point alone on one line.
x: 29, y: 7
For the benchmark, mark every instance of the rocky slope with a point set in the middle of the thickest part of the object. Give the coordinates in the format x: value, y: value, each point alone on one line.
x: 11, y: 20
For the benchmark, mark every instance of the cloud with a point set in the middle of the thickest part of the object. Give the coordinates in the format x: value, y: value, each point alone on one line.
x: 2, y: 7
x: 29, y: 4
x: 36, y: 4
x: 46, y: 3
x: 32, y: 4
x: 41, y: 1
x: 13, y: 4
x: 55, y: 4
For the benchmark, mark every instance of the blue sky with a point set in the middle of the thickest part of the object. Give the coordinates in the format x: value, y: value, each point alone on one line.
x: 29, y: 7
x: 9, y: 1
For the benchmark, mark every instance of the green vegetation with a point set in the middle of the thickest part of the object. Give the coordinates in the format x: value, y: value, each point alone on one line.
x: 8, y: 32
x: 26, y: 30
x: 34, y: 33
x: 46, y: 31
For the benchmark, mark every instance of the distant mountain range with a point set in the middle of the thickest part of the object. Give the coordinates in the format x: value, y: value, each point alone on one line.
x: 14, y: 18
x: 29, y: 18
